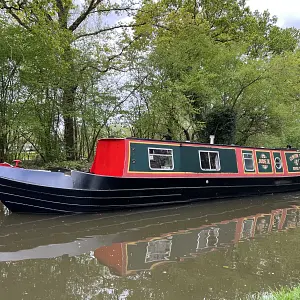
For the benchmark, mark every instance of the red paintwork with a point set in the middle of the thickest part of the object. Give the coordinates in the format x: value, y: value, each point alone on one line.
x: 114, y: 256
x: 110, y: 157
x: 17, y: 162
x: 239, y: 158
x: 5, y: 164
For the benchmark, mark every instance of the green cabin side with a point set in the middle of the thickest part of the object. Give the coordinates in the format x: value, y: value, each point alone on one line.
x: 177, y: 157
x: 293, y: 161
x: 264, y: 161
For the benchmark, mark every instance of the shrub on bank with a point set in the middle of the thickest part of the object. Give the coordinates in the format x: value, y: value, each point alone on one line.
x: 79, y: 165
x: 282, y: 294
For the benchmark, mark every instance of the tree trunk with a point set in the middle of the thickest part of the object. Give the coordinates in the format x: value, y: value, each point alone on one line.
x: 2, y: 148
x: 3, y: 134
x: 69, y: 94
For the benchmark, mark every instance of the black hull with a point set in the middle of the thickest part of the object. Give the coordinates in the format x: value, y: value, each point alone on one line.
x: 92, y: 193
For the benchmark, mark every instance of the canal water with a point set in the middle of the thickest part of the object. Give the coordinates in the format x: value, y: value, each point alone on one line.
x: 229, y: 249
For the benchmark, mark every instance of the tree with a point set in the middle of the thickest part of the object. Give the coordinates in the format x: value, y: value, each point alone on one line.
x: 216, y: 54
x: 61, y: 28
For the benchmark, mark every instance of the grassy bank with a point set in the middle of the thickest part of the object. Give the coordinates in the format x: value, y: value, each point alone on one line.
x: 287, y: 294
x: 282, y: 294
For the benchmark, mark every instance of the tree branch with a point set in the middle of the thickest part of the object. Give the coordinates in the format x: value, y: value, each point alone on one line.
x: 243, y: 88
x: 10, y: 9
x: 103, y: 10
x: 84, y: 15
x: 111, y: 58
x: 108, y: 29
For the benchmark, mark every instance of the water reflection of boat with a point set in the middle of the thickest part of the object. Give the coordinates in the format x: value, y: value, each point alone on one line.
x: 141, y: 240
x: 128, y: 257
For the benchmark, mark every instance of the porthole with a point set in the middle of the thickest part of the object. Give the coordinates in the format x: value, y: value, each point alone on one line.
x: 278, y: 163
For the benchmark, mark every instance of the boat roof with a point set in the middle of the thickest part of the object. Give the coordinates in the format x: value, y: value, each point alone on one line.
x: 199, y: 143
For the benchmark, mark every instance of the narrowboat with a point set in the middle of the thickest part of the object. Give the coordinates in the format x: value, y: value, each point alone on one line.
x: 129, y: 173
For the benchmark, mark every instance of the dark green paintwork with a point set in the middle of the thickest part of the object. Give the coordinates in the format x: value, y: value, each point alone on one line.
x: 264, y: 163
x: 277, y: 154
x: 190, y: 159
x: 139, y: 157
x: 186, y: 158
x: 293, y: 161
x: 251, y: 152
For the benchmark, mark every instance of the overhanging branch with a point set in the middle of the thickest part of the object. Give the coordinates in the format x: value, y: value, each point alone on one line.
x: 108, y: 29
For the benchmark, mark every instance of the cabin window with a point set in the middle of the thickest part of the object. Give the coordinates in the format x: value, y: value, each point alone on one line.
x: 278, y: 163
x: 160, y: 159
x: 248, y: 161
x: 209, y: 160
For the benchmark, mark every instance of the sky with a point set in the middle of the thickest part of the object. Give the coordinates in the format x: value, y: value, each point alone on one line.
x: 287, y: 11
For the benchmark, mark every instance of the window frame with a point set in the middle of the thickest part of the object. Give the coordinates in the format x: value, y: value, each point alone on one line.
x: 207, y: 151
x: 160, y: 169
x: 245, y: 169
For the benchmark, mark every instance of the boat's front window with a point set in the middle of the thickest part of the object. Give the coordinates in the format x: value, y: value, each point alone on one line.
x: 248, y: 162
x: 160, y: 159
x: 209, y: 160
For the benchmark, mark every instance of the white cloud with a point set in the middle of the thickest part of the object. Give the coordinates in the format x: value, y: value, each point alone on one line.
x: 287, y: 11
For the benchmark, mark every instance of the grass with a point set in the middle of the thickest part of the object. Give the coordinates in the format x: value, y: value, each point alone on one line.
x: 286, y: 294
x: 282, y: 294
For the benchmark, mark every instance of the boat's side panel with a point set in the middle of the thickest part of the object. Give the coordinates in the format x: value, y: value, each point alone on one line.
x: 38, y: 178
x: 265, y: 162
x: 185, y: 158
x: 110, y: 157
x: 190, y: 160
x: 292, y: 162
x: 139, y: 161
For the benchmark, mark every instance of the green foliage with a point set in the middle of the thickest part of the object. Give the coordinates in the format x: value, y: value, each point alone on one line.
x: 221, y: 123
x: 219, y: 55
x: 80, y: 165
x: 61, y: 61
x: 280, y: 294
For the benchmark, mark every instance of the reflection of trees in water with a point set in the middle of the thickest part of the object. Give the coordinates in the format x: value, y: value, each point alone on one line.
x: 246, y: 267
x: 3, y: 211
x: 64, y: 277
